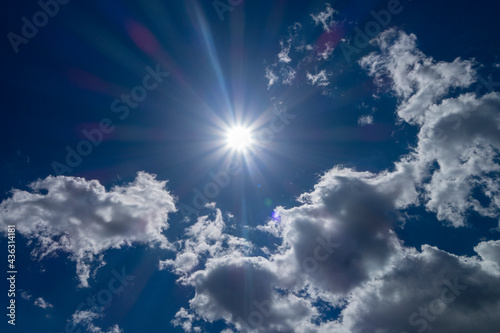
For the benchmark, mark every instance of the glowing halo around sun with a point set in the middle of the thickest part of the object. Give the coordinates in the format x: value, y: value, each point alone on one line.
x: 239, y: 138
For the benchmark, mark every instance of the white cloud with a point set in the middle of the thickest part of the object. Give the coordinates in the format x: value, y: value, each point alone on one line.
x: 490, y: 253
x: 365, y: 120
x: 86, y: 319
x: 320, y: 79
x: 83, y: 219
x: 25, y: 295
x: 204, y: 238
x: 295, y: 57
x: 460, y: 135
x: 43, y: 303
x: 242, y: 291
x: 230, y: 285
x: 338, y: 247
x: 417, y: 79
x: 325, y: 18
x: 271, y: 77
x: 327, y: 52
x: 285, y: 49
x: 341, y: 235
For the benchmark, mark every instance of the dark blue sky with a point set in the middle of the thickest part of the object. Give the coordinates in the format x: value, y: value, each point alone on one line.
x: 65, y: 80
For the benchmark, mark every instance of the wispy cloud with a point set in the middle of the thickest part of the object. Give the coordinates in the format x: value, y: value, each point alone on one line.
x: 325, y: 18
x: 43, y: 303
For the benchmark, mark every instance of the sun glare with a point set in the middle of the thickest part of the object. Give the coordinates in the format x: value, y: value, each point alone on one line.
x: 239, y: 138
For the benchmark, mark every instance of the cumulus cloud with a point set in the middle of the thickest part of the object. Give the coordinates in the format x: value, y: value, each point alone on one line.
x: 490, y: 253
x: 82, y: 218
x: 458, y: 140
x: 417, y: 79
x: 206, y: 237
x: 338, y: 248
x: 242, y: 291
x: 431, y: 291
x: 230, y: 285
x: 342, y: 235
x: 338, y: 239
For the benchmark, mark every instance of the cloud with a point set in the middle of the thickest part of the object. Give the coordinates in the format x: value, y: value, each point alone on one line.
x: 297, y: 57
x: 42, y: 303
x: 230, y: 285
x: 338, y: 249
x: 365, y: 120
x: 25, y: 295
x: 327, y: 52
x: 285, y: 49
x: 490, y: 253
x: 271, y: 77
x: 242, y: 291
x: 431, y: 291
x: 463, y: 139
x: 204, y: 238
x: 338, y: 239
x: 320, y: 79
x: 458, y: 140
x: 325, y: 18
x: 86, y: 319
x: 417, y: 79
x: 341, y: 235
x: 82, y: 218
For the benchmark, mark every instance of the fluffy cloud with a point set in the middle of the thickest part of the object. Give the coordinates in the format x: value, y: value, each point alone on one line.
x: 83, y: 219
x: 417, y: 79
x: 341, y: 235
x: 205, y: 238
x: 338, y: 248
x: 458, y: 142
x: 431, y: 291
x: 231, y: 286
x: 244, y: 292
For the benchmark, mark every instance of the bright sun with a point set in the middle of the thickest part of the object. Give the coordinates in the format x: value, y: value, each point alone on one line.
x: 239, y: 138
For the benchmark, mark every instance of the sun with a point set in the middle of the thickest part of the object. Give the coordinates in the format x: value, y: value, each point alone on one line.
x: 239, y: 138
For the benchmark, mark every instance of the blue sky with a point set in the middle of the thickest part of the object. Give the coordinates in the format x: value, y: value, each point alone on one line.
x: 360, y: 193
